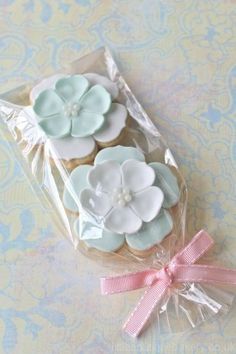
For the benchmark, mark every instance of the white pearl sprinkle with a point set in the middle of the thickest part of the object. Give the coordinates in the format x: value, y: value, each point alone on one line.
x: 71, y: 109
x: 121, y: 196
x: 121, y: 203
x: 127, y: 197
x: 74, y: 113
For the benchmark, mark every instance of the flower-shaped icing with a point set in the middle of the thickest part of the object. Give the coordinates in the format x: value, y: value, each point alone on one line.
x: 72, y: 108
x: 122, y: 194
x: 125, y: 195
x: 75, y: 113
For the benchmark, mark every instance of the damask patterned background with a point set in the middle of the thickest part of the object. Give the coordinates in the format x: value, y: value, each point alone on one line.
x: 179, y: 57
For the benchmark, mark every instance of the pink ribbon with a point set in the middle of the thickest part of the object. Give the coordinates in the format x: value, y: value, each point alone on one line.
x: 180, y: 269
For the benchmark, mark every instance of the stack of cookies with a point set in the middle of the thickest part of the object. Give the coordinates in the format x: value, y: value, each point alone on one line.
x: 118, y: 198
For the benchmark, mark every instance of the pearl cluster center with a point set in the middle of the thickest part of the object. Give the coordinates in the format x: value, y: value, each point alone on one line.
x: 71, y: 109
x: 121, y: 196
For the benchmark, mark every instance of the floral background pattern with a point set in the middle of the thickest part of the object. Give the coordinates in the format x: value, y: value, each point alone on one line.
x: 179, y: 57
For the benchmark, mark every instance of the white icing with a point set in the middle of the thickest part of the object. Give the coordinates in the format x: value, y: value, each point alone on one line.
x: 71, y: 148
x: 123, y: 220
x: 97, y: 204
x: 115, y: 123
x: 105, y: 176
x: 144, y: 203
x: 109, y: 85
x: 137, y: 175
x: 122, y: 194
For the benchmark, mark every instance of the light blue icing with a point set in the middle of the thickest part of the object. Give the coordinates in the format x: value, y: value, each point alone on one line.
x: 74, y: 185
x: 119, y: 153
x: 87, y: 124
x: 72, y: 108
x: 47, y: 104
x: 167, y: 182
x: 55, y: 129
x: 71, y: 89
x: 151, y: 233
x: 110, y: 242
x: 96, y: 100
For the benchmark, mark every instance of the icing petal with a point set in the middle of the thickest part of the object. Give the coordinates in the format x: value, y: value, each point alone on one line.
x: 86, y: 124
x: 76, y: 182
x: 151, y: 233
x: 56, y: 127
x: 45, y: 84
x: 109, y: 85
x: 47, y: 104
x: 122, y: 220
x: 96, y: 100
x: 72, y: 88
x: 166, y: 180
x: 97, y: 204
x: 105, y: 177
x: 119, y: 153
x: 137, y: 175
x: 147, y: 203
x: 115, y: 121
x: 71, y: 148
x: 110, y: 241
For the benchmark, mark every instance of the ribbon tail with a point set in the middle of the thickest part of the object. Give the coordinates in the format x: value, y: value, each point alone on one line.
x: 205, y: 274
x: 130, y: 281
x: 138, y: 318
x: 195, y: 249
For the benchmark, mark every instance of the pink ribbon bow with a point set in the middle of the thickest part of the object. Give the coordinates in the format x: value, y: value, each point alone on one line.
x: 180, y: 269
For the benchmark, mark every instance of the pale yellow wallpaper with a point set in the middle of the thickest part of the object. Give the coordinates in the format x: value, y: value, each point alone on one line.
x: 179, y: 57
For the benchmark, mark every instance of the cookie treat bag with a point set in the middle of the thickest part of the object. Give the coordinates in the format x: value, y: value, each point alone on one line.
x: 91, y: 151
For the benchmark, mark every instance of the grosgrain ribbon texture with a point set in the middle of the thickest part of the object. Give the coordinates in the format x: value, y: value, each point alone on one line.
x: 180, y: 269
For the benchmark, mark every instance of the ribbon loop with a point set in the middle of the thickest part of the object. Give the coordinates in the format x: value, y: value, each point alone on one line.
x: 180, y: 269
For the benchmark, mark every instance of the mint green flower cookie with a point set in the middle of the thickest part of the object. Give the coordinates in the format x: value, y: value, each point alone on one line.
x: 72, y: 108
x: 122, y: 199
x: 73, y: 115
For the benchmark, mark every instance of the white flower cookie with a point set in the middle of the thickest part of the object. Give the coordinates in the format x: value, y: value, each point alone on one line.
x: 122, y: 199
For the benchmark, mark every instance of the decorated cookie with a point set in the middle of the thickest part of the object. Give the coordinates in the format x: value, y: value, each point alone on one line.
x: 121, y: 199
x: 73, y: 115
